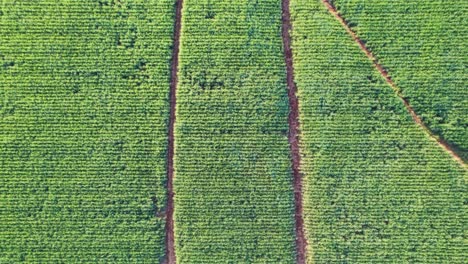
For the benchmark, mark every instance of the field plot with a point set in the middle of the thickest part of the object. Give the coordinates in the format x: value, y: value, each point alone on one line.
x: 83, y: 130
x: 376, y: 187
x: 423, y: 46
x: 233, y: 182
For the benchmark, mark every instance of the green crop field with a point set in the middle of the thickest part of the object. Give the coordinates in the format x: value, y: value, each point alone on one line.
x: 377, y: 189
x: 233, y: 201
x: 423, y: 45
x: 83, y: 114
x: 168, y: 131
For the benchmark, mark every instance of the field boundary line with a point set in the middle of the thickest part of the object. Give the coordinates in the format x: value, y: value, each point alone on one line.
x: 440, y: 141
x: 293, y: 135
x: 170, y: 244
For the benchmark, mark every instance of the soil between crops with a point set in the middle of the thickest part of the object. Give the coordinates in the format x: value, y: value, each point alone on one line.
x: 293, y: 135
x: 170, y: 245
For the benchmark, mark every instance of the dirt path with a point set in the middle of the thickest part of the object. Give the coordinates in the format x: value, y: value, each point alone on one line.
x: 293, y: 135
x: 170, y: 247
x: 442, y: 143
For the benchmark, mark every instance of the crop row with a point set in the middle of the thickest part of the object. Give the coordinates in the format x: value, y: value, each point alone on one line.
x: 423, y: 45
x: 233, y: 190
x: 83, y: 114
x: 84, y: 88
x: 377, y: 188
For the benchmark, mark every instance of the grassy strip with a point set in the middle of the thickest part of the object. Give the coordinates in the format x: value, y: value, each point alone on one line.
x: 233, y: 182
x: 423, y: 45
x: 83, y: 118
x: 376, y: 188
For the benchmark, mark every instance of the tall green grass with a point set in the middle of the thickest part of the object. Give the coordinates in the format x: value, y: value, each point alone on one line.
x: 233, y: 182
x: 377, y: 188
x: 83, y: 112
x: 423, y: 45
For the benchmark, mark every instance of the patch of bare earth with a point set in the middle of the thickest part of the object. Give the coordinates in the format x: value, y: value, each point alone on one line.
x: 293, y: 136
x: 170, y: 245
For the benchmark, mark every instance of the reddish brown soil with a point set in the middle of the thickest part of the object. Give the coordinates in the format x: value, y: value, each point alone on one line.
x: 441, y: 142
x: 170, y: 248
x: 293, y: 135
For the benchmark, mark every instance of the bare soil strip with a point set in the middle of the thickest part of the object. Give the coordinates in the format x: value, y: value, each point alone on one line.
x: 441, y: 142
x: 293, y: 135
x: 170, y: 247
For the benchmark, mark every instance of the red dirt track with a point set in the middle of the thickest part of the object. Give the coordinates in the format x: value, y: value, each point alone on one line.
x: 441, y: 142
x: 170, y: 247
x: 293, y: 136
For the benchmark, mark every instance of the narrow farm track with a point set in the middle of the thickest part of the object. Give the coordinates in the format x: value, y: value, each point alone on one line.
x: 441, y: 142
x: 293, y: 135
x: 170, y: 248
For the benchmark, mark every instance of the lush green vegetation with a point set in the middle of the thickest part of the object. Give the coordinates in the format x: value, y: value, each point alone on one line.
x: 83, y: 114
x: 377, y: 188
x: 233, y: 201
x: 84, y: 89
x: 423, y: 45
